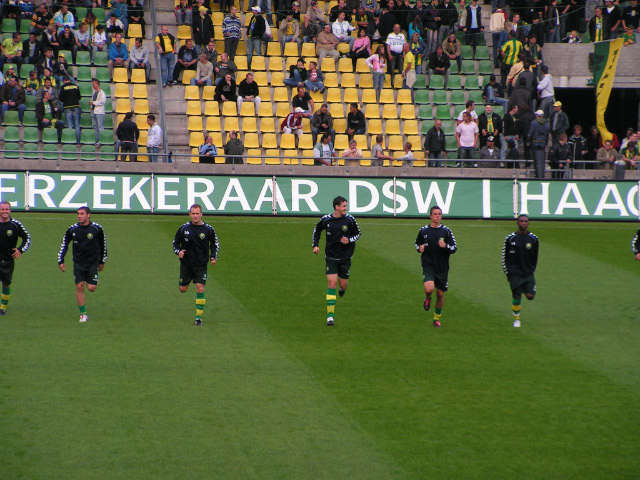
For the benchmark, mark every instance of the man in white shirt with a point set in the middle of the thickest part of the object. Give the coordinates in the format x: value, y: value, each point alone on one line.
x: 467, y: 137
x: 395, y: 41
x: 469, y: 108
x: 98, y: 100
x: 342, y: 30
x: 154, y: 138
x: 546, y: 91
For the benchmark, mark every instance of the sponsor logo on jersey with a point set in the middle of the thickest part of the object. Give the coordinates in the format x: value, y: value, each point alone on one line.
x: 528, y: 245
x: 344, y: 228
x: 89, y: 236
x: 202, y: 236
x: 9, y: 233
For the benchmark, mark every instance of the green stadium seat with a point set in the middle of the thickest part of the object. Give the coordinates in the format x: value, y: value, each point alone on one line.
x: 457, y: 97
x: 106, y: 137
x: 425, y: 112
x: 107, y: 153
x: 8, y: 25
x: 454, y: 82
x: 85, y: 120
x: 485, y: 67
x: 482, y: 52
x: 476, y: 96
x: 11, y: 118
x: 30, y: 102
x: 83, y: 58
x: 101, y: 59
x: 100, y: 15
x: 422, y: 97
x: 84, y: 73
x: 49, y: 135
x: 25, y: 69
x: 5, y: 36
x: 426, y: 126
x: 69, y: 136
x: 88, y: 137
x: 467, y: 52
x: 449, y: 126
x: 11, y: 134
x: 443, y: 112
x: 29, y: 151
x: 108, y: 121
x: 421, y: 83
x: 30, y: 135
x: 498, y: 109
x: 29, y: 119
x: 67, y: 55
x: 50, y: 151
x: 436, y: 82
x: 89, y: 153
x: 440, y: 97
x: 108, y: 106
x: 81, y: 12
x: 85, y: 89
x: 468, y: 67
x: 11, y: 146
x: 84, y: 104
x: 471, y: 82
x: 25, y: 26
x: 451, y: 143
x: 69, y: 152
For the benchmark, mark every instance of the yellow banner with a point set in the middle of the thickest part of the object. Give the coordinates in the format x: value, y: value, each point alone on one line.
x: 604, y: 83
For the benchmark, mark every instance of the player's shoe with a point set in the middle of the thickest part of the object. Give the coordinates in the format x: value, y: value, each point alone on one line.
x: 341, y: 293
x: 83, y: 318
x: 427, y: 304
x: 329, y: 321
x: 436, y: 323
x: 3, y: 311
x: 198, y: 322
x: 516, y: 323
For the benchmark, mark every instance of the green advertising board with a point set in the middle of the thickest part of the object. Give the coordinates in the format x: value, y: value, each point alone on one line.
x: 288, y: 195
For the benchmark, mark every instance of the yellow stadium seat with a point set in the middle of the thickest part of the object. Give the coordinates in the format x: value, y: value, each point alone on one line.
x: 194, y: 156
x: 249, y: 124
x: 280, y: 94
x: 217, y: 33
x: 340, y: 124
x: 386, y: 96
x: 387, y: 81
x: 345, y: 65
x: 392, y: 127
x: 351, y: 95
x: 374, y: 127
x: 408, y: 112
x: 272, y: 157
x: 258, y: 64
x: 369, y: 96
x: 140, y: 91
x: 217, y: 18
x: 134, y: 30
x: 410, y: 127
x: 261, y: 79
x: 141, y: 106
x: 120, y: 75
x: 138, y: 75
x: 123, y: 106
x: 275, y: 64
x: 273, y: 49
x: 191, y: 93
x: 269, y: 140
x: 308, y: 50
x: 389, y: 111
x: 254, y: 156
x: 415, y: 142
x: 396, y: 143
x: 283, y: 109
x: 208, y: 92
x: 288, y: 140
x: 277, y: 79
x: 187, y: 75
x: 266, y: 109
x: 366, y: 80
x: 194, y: 108
x: 330, y: 80
x: 248, y: 109
x: 195, y: 124
x: 305, y: 142
x: 211, y: 109
x: 404, y: 97
x: 241, y: 63
x: 328, y: 65
x: 184, y: 33
x: 289, y: 61
x: 213, y: 124
x: 371, y: 111
x: 334, y: 95
x: 365, y: 162
x: 291, y: 49
x: 337, y: 110
x: 217, y: 138
x: 348, y: 80
x: 142, y: 152
x: 196, y: 139
x: 343, y: 48
x: 306, y: 125
x: 342, y: 142
x: 307, y: 159
x: 361, y: 66
x: 317, y: 97
x: 229, y: 109
x: 251, y: 140
x: 268, y: 125
x: 231, y: 123
x: 361, y: 140
x: 290, y: 157
x: 397, y: 81
x: 122, y: 90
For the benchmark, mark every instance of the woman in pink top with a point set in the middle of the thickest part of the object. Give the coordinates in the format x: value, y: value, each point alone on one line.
x: 378, y: 66
x: 361, y: 47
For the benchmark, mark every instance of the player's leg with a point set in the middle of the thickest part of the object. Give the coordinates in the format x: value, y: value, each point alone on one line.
x: 516, y: 299
x: 344, y: 269
x: 332, y: 282
x: 437, y: 313
x: 429, y: 287
x: 344, y: 283
x: 81, y: 301
x: 185, y: 278
x: 6, y: 274
x: 200, y: 303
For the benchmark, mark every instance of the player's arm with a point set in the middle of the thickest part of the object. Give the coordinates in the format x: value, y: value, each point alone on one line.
x: 505, y: 246
x: 102, y: 239
x: 66, y: 238
x: 355, y: 230
x: 452, y: 246
x: 534, y: 253
x: 315, y: 238
x: 214, y: 246
x: 177, y: 242
x: 635, y: 245
x: 26, y: 239
x: 419, y: 242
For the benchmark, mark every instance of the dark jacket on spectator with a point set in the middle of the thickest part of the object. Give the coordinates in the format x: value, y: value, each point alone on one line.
x: 202, y: 29
x: 127, y: 131
x: 228, y: 90
x: 69, y: 95
x: 520, y: 96
x: 40, y: 112
x: 448, y: 14
x: 435, y: 142
x: 509, y: 125
x: 439, y: 62
x: 6, y: 93
x: 258, y: 29
x: 37, y: 53
x: 538, y: 132
x: 356, y: 120
x: 479, y: 17
x: 558, y: 154
x: 246, y: 90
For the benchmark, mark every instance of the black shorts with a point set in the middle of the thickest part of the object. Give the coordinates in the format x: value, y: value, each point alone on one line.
x: 441, y: 280
x: 6, y: 271
x: 341, y: 267
x: 520, y: 285
x: 195, y: 274
x: 86, y: 273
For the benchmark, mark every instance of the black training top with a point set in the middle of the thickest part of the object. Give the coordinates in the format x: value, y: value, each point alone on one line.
x: 9, y: 233
x: 520, y: 254
x: 337, y: 228
x: 434, y: 257
x: 89, y: 244
x: 635, y: 243
x: 200, y: 243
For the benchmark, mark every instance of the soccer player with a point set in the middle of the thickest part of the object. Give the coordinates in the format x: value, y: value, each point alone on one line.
x: 519, y: 261
x: 342, y: 234
x: 89, y: 255
x: 195, y: 244
x: 635, y: 244
x: 10, y: 230
x: 436, y: 243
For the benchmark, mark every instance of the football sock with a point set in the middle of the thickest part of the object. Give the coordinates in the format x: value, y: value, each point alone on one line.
x: 83, y: 309
x: 341, y: 291
x: 5, y: 297
x: 437, y: 313
x: 515, y: 308
x: 200, y: 302
x: 331, y: 301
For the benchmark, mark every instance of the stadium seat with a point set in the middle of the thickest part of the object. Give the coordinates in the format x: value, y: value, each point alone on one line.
x: 84, y: 73
x: 422, y: 96
x: 420, y: 83
x: 50, y: 151
x: 440, y: 97
x: 275, y: 63
x: 392, y: 127
x: 258, y: 63
x: 436, y: 82
x: 69, y: 152
x: 11, y: 134
x: 251, y: 140
x: 85, y: 89
x: 207, y: 92
x: 277, y: 78
x: 135, y: 30
x: 196, y: 139
x: 11, y: 118
x: 269, y: 140
x: 120, y: 75
x: 345, y: 65
x: 410, y: 127
x: 12, y: 154
x: 457, y: 97
x: 386, y: 96
x: 308, y: 50
x: 195, y: 123
x: 482, y: 52
x: 371, y: 111
x: 29, y: 119
x: 366, y: 81
x: 184, y: 32
x: 305, y: 142
x: 339, y: 124
x: 468, y: 67
x: 106, y: 137
x: 107, y: 153
x: 467, y: 52
x: 88, y: 137
x: 266, y: 109
x: 231, y: 123
x: 334, y: 95
x: 141, y: 106
x: 102, y: 74
x: 49, y: 135
x: 374, y: 127
x: 30, y: 135
x: 138, y: 75
x: 229, y: 109
x: 121, y: 90
x: 283, y: 109
x: 213, y: 124
x: 268, y: 125
x: 291, y: 50
x: 30, y: 102
x: 404, y: 97
x: 88, y: 153
x: 451, y: 143
x: 454, y: 82
x: 361, y: 66
x: 476, y: 96
x: 389, y: 111
x: 443, y: 112
x: 194, y: 107
x: 187, y: 75
x: 273, y: 49
x: 328, y: 65
x: 101, y: 59
x: 471, y: 82
x: 341, y: 143
x: 348, y: 80
x: 281, y: 94
x: 336, y: 110
x: 330, y: 80
x: 254, y: 156
x: 69, y: 136
x: 194, y: 156
x: 369, y: 96
x: 485, y: 67
x: 140, y: 91
x: 9, y: 25
x: 249, y: 124
x: 290, y: 157
x: 288, y: 140
x: 211, y: 109
x: 248, y: 109
x: 425, y: 112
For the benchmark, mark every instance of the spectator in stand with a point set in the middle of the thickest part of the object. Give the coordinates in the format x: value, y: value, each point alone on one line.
x: 203, y: 31
x: 204, y: 72
x: 360, y: 47
x: 525, y: 118
x: 599, y: 29
x: 139, y: 58
x: 11, y: 51
x: 559, y: 122
x: 473, y: 27
x: 355, y: 121
x: 546, y: 92
x: 578, y: 145
x: 255, y: 32
x: 533, y: 54
x: 489, y: 152
x: 594, y: 142
x: 233, y: 149
x: 226, y: 89
x: 289, y: 31
x: 293, y: 122
x: 469, y: 107
x: 304, y: 101
x: 352, y: 154
x: 249, y: 91
x: 154, y: 138
x: 41, y: 20
x: 13, y: 97
x: 363, y: 19
x: 606, y: 155
x: 435, y: 145
x: 539, y: 31
x: 62, y: 69
x: 118, y: 55
x: 439, y: 64
x: 513, y: 156
x: 316, y: 14
x: 166, y: 45
x: 183, y: 13
x: 628, y: 37
x: 490, y: 125
x: 113, y: 27
x: 211, y: 52
x: 521, y: 95
x: 631, y: 19
x: 510, y: 130
x: 448, y: 19
x: 99, y: 42
x: 377, y: 153
x: 323, y: 151
x: 510, y: 53
x: 47, y: 87
x: 315, y: 78
x: 496, y: 27
x: 467, y: 138
x: 553, y: 22
x: 121, y: 10
x: 128, y: 135
x: 47, y: 115
x: 67, y: 41
x: 630, y: 137
x: 70, y: 98
x: 297, y: 74
x: 135, y: 15
x: 97, y: 103
x: 537, y: 137
x: 31, y: 84
x: 63, y: 17
x: 207, y: 151
x: 337, y: 9
x: 50, y: 40
x: 31, y: 50
x: 613, y: 16
x: 232, y: 32
x: 408, y: 68
x: 83, y: 41
x: 187, y: 59
x: 386, y: 22
x: 376, y: 63
x: 395, y: 41
x: 223, y: 67
x: 342, y: 29
x: 322, y: 122
x: 630, y: 154
x: 559, y: 156
x: 431, y: 24
x: 452, y: 48
x: 295, y: 9
x: 309, y: 30
x: 493, y: 93
x: 408, y: 156
x: 326, y: 45
x: 417, y: 47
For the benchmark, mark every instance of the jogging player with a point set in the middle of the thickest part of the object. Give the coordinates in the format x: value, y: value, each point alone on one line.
x: 635, y: 244
x: 342, y: 234
x: 195, y: 244
x: 89, y: 255
x: 519, y: 261
x: 436, y: 243
x: 10, y: 230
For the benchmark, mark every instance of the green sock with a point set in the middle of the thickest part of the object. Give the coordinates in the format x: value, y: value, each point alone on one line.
x: 200, y: 303
x: 515, y: 308
x: 437, y: 313
x: 331, y: 301
x: 5, y: 297
x: 83, y: 309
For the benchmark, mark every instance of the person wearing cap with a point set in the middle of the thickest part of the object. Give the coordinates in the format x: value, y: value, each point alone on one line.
x: 537, y: 137
x: 11, y: 51
x: 13, y: 97
x: 316, y: 14
x: 70, y: 98
x: 255, y: 32
x: 183, y: 13
x: 62, y: 69
x: 342, y: 30
x: 297, y: 74
x: 232, y: 32
x: 289, y: 31
x: 326, y: 45
x: 118, y: 55
x: 322, y: 122
x: 202, y: 29
x: 559, y: 122
x: 293, y: 122
x: 546, y: 92
x: 295, y: 11
x: 490, y: 154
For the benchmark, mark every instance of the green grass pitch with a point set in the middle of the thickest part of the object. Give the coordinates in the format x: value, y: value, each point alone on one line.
x: 265, y: 390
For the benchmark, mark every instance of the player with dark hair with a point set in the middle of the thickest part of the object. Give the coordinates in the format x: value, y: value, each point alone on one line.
x: 10, y: 230
x: 436, y: 243
x: 89, y: 255
x: 519, y: 261
x: 342, y: 234
x: 635, y: 245
x: 195, y: 244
